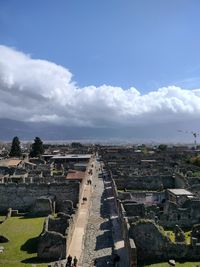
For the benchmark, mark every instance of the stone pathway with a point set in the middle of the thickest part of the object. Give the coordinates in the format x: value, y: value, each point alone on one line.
x: 98, y: 243
x: 75, y: 248
x: 98, y: 231
x: 118, y: 240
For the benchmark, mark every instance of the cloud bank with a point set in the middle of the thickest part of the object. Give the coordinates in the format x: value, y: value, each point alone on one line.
x: 38, y: 90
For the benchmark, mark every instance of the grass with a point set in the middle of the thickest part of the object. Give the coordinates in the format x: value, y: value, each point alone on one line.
x: 171, y: 235
x: 196, y: 174
x: 21, y: 250
x: 183, y: 264
x: 188, y: 237
x: 2, y: 218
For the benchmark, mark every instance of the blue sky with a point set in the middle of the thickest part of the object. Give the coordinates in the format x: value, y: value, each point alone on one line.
x: 119, y: 64
x: 146, y: 44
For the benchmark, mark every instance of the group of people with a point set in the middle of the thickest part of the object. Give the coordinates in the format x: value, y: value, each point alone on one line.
x: 89, y: 181
x: 71, y: 263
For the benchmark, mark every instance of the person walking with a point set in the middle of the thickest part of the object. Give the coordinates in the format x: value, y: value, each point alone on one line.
x: 75, y: 261
x: 69, y: 261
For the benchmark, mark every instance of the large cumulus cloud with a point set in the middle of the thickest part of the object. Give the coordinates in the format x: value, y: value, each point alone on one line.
x: 38, y: 90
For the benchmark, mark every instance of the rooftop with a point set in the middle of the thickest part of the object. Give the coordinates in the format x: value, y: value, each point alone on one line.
x: 180, y: 192
x: 10, y: 162
x: 75, y: 175
x: 148, y: 160
x: 73, y: 156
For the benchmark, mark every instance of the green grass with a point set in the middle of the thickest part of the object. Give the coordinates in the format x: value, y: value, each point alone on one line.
x: 196, y: 174
x: 2, y: 218
x: 188, y: 238
x: 184, y: 264
x: 171, y: 235
x: 21, y: 250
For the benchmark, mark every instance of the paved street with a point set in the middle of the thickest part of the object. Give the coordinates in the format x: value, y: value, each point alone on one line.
x: 97, y: 230
x: 98, y: 243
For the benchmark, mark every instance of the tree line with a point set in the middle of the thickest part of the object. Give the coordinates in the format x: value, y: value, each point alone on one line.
x: 37, y: 148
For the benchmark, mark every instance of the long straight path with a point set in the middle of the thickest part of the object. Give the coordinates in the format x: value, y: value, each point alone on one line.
x: 98, y: 245
x: 98, y: 229
x: 98, y: 232
x: 75, y: 248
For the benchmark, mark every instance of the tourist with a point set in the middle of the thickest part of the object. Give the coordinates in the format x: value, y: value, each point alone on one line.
x: 75, y: 261
x: 69, y: 261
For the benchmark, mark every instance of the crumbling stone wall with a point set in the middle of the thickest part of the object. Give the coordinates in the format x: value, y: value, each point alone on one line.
x: 143, y: 196
x: 71, y: 228
x: 59, y: 224
x: 180, y: 181
x: 152, y: 244
x: 149, y: 240
x: 44, y: 205
x: 52, y: 246
x: 67, y: 207
x: 195, y: 188
x: 158, y: 182
x: 23, y: 196
x: 53, y: 239
x: 134, y: 209
x: 185, y: 216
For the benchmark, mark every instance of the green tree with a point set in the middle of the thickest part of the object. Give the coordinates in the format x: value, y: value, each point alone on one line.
x: 196, y: 160
x: 162, y: 147
x: 15, y: 150
x: 143, y: 148
x: 76, y: 145
x: 37, y: 148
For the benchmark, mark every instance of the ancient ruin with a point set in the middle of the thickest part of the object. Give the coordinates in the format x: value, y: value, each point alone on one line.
x: 121, y: 205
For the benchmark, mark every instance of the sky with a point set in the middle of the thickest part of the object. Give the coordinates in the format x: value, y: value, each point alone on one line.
x: 100, y: 63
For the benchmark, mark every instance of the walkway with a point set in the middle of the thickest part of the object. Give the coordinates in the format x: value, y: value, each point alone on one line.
x: 75, y: 248
x: 98, y: 243
x: 98, y: 230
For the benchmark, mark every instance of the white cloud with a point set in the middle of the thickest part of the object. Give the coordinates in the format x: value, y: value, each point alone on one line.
x: 38, y: 90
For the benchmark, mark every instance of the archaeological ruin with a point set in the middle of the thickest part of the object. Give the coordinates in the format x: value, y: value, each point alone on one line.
x: 158, y: 202
x: 107, y: 205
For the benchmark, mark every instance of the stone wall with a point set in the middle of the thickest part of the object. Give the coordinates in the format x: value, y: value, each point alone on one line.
x: 152, y: 244
x: 180, y: 181
x: 59, y: 224
x: 23, y: 196
x: 56, y: 236
x: 51, y: 244
x: 44, y: 206
x: 143, y: 197
x: 129, y: 242
x: 71, y: 228
x: 134, y: 209
x: 158, y: 182
x: 185, y: 216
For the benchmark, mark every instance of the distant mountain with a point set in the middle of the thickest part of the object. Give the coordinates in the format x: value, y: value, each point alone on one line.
x: 47, y: 131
